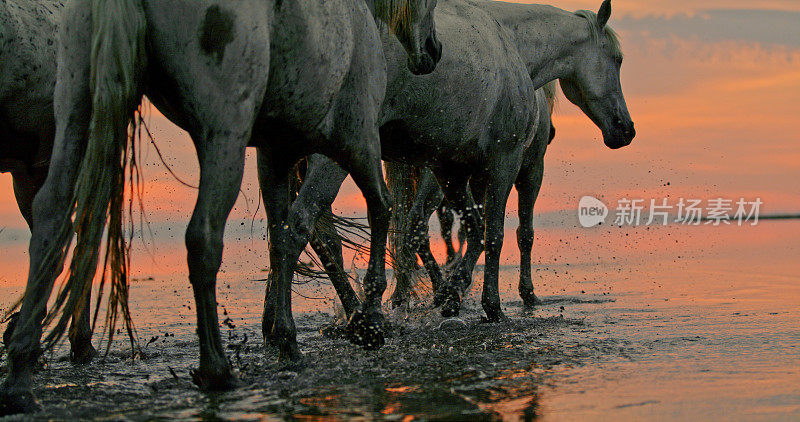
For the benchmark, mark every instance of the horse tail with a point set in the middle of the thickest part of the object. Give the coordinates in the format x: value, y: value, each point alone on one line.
x: 117, y: 63
x: 401, y: 179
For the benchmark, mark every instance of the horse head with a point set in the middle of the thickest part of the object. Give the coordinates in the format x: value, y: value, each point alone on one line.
x: 412, y: 23
x: 595, y: 85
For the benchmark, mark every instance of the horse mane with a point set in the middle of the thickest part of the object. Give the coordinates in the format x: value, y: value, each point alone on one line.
x: 594, y: 31
x: 398, y: 14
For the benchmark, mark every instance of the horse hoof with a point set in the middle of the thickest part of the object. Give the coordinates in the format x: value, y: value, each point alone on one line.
x: 365, y: 331
x: 450, y: 309
x: 439, y: 297
x: 290, y: 353
x: 15, y: 402
x: 333, y: 331
x: 529, y: 300
x: 450, y: 302
x: 83, y: 355
x: 494, y: 317
x: 224, y: 380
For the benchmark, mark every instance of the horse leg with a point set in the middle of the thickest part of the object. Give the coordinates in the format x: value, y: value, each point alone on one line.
x: 365, y: 326
x: 528, y: 183
x: 429, y: 197
x: 497, y: 191
x: 51, y: 207
x: 328, y: 248
x: 446, y: 222
x: 273, y: 177
x: 462, y: 239
x: 221, y: 155
x: 356, y: 141
x: 288, y: 239
x: 26, y: 183
x: 456, y: 191
x: 80, y: 333
x: 416, y: 240
x: 431, y: 266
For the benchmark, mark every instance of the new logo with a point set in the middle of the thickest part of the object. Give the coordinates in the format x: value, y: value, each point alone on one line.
x: 591, y: 211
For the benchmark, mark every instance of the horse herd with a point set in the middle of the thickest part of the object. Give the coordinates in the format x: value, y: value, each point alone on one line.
x: 458, y: 93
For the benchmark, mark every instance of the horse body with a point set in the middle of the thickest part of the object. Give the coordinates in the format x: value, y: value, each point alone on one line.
x: 288, y: 77
x: 27, y: 78
x: 310, y: 52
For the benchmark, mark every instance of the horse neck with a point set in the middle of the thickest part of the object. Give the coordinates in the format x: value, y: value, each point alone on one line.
x: 547, y: 38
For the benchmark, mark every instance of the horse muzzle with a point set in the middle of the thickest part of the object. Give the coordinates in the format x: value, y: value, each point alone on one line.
x: 621, y: 137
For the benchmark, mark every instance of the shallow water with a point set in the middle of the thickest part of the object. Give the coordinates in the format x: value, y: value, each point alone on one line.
x: 632, y: 326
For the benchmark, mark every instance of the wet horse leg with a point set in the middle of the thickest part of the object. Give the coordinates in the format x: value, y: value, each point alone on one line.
x: 50, y: 210
x: 455, y: 188
x: 528, y: 183
x: 26, y: 184
x: 497, y: 191
x: 221, y: 155
x: 446, y: 222
x: 429, y: 261
x: 273, y: 176
x: 428, y: 198
x: 365, y: 327
x: 328, y: 248
x: 289, y: 238
x: 356, y: 143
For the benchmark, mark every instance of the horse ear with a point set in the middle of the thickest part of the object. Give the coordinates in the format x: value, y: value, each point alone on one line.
x: 604, y: 14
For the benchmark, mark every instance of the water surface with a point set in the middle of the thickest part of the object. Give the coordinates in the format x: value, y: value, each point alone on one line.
x: 665, y: 323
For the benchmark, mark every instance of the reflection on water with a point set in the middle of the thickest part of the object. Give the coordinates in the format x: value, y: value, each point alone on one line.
x: 676, y: 322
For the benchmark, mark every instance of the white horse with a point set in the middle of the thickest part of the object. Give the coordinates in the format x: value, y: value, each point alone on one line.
x: 583, y: 53
x: 231, y: 75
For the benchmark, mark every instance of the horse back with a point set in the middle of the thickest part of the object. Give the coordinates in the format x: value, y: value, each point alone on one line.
x: 314, y: 47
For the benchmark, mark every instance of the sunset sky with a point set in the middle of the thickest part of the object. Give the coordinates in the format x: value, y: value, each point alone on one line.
x: 713, y: 87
